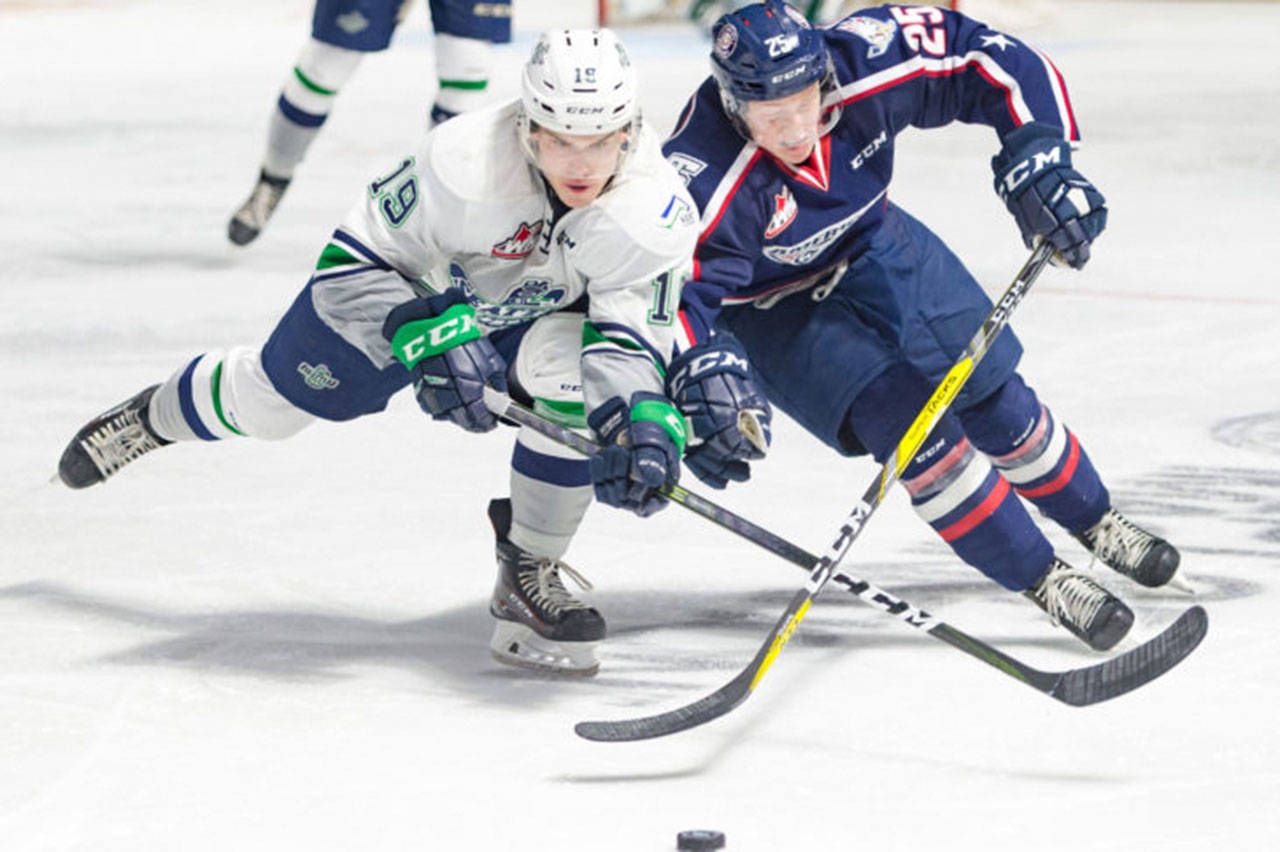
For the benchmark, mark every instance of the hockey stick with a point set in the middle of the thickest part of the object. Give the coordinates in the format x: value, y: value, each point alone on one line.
x: 1076, y: 687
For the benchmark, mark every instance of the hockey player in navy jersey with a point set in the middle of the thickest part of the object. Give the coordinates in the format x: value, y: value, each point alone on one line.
x: 537, y: 244
x: 850, y: 310
x: 343, y: 32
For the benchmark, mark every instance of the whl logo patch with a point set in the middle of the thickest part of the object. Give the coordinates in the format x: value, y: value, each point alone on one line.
x: 521, y: 243
x: 784, y: 213
x: 318, y: 377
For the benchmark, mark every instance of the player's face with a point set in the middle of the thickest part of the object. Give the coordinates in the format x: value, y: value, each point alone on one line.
x: 577, y: 167
x: 787, y: 127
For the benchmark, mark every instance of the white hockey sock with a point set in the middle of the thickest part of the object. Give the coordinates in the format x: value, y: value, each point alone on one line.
x: 545, y: 515
x: 221, y: 395
x: 462, y: 65
x: 305, y: 101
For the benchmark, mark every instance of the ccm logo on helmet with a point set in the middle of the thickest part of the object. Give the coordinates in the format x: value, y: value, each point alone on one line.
x: 787, y: 75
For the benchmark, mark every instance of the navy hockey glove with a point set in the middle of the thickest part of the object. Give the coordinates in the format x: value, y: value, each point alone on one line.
x: 642, y: 446
x: 1047, y: 197
x: 438, y: 341
x: 727, y: 413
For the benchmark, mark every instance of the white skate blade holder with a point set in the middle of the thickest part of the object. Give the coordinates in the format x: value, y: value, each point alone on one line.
x: 517, y: 644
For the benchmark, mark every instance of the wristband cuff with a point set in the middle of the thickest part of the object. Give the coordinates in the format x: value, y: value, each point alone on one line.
x: 665, y: 415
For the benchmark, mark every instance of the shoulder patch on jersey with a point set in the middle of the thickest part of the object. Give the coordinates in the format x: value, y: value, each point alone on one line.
x: 677, y: 210
x: 686, y: 166
x: 873, y: 31
x: 520, y: 244
x: 784, y: 213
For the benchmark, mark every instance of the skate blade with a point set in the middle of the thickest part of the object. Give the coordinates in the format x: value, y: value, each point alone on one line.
x: 543, y: 668
x: 516, y: 644
x: 1179, y: 583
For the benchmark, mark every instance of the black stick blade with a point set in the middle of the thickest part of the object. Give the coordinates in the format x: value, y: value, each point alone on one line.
x: 1140, y: 665
x: 699, y: 712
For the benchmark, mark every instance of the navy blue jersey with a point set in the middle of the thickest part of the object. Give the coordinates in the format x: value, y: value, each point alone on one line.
x: 768, y: 226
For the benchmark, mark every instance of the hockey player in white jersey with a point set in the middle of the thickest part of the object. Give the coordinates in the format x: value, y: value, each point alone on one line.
x: 539, y: 245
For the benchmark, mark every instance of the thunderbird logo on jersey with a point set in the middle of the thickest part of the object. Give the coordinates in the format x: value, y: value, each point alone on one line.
x: 532, y: 298
x: 520, y: 244
x: 784, y: 213
x: 876, y: 33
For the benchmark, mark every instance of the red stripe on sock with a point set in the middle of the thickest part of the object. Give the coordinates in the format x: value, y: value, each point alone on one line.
x: 1060, y: 481
x: 980, y: 513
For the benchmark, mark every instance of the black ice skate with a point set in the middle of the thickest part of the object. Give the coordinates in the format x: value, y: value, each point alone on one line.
x: 252, y: 216
x: 1075, y: 601
x: 540, y: 625
x: 109, y: 442
x: 1131, y: 550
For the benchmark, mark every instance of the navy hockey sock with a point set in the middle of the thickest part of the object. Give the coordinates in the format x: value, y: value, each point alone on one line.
x: 1038, y: 455
x: 952, y: 487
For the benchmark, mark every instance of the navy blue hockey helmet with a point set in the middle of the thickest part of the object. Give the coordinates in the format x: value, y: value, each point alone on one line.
x: 766, y: 51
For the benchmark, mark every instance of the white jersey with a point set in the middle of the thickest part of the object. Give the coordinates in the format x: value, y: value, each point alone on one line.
x: 469, y: 211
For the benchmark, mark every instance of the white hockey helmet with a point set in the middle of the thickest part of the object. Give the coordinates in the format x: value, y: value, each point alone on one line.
x: 578, y: 83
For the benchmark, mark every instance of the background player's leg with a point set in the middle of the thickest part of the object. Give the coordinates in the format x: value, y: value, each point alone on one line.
x: 465, y: 35
x: 301, y: 110
x: 342, y: 31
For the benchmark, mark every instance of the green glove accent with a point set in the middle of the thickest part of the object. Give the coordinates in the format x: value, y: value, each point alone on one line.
x: 418, y: 339
x: 665, y: 415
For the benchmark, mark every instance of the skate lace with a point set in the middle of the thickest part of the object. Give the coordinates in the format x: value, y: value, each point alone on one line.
x: 539, y: 579
x: 1116, y: 540
x: 118, y: 441
x: 1069, y: 595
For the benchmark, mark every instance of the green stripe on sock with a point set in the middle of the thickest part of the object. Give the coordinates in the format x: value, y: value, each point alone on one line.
x: 217, y: 398
x: 335, y: 255
x: 469, y: 85
x: 319, y: 90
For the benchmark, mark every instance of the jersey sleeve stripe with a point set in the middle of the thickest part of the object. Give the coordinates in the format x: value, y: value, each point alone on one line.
x: 918, y: 66
x: 686, y: 339
x: 1060, y: 97
x: 719, y: 203
x: 369, y: 254
x: 631, y: 340
x: 685, y: 115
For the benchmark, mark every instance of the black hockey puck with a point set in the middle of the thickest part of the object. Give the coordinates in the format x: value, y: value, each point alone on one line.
x: 700, y: 839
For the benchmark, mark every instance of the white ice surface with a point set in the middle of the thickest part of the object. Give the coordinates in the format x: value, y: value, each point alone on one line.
x: 253, y: 646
